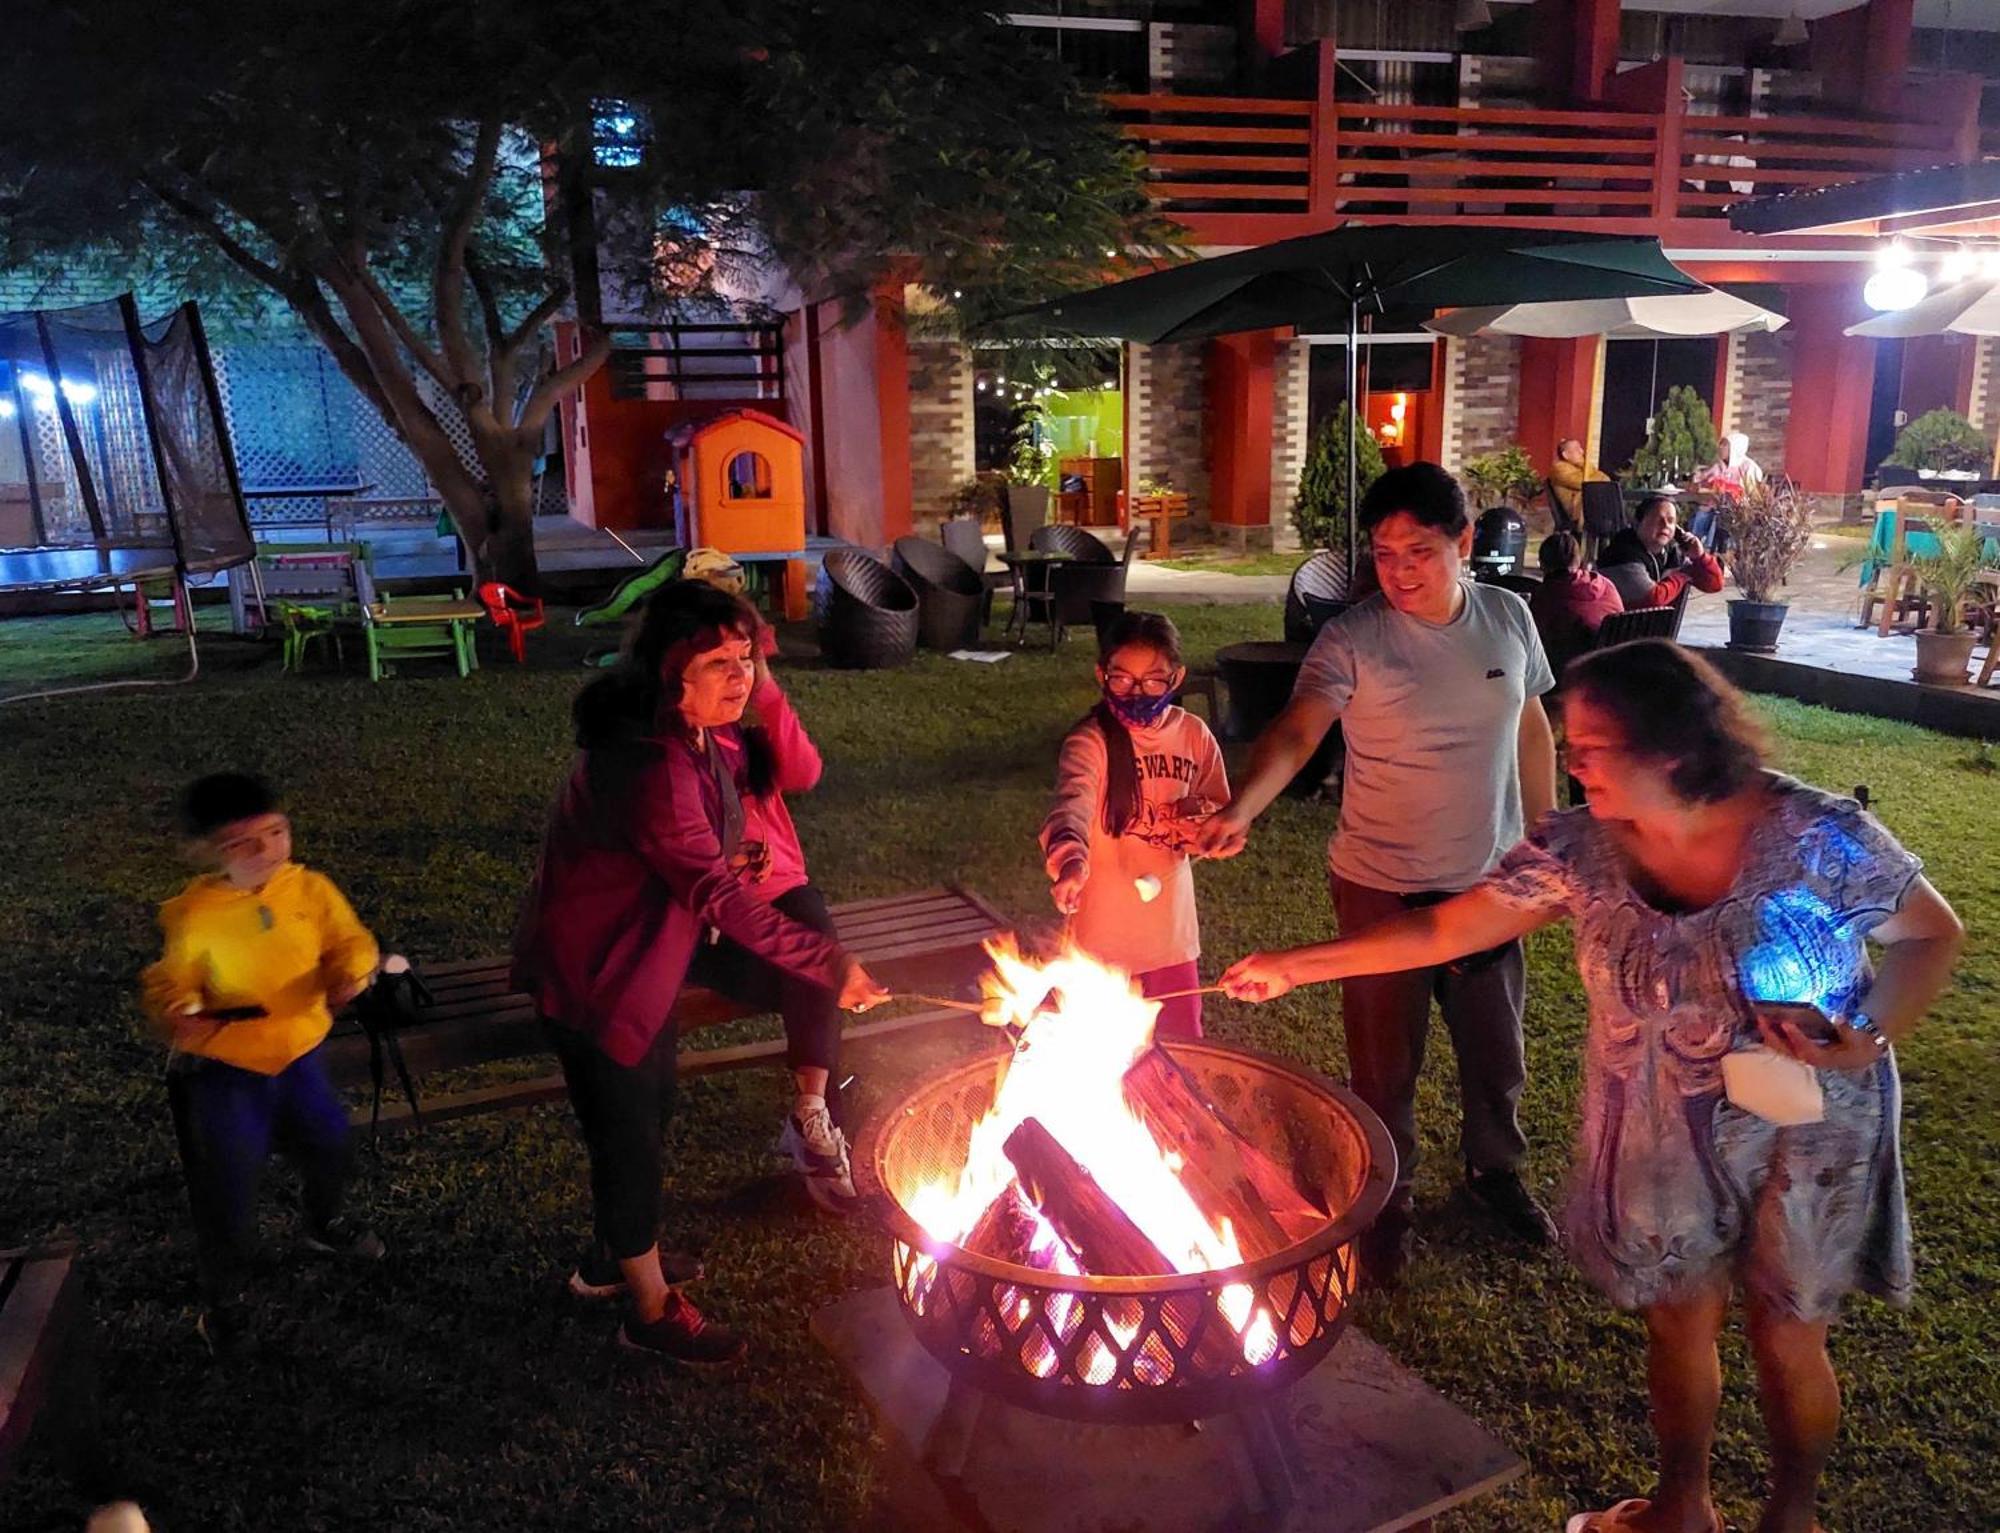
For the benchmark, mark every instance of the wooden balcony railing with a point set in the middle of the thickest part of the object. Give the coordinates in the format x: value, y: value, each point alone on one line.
x: 1249, y: 168
x: 697, y: 361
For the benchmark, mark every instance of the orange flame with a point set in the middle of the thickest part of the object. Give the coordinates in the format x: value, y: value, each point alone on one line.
x: 1068, y: 1074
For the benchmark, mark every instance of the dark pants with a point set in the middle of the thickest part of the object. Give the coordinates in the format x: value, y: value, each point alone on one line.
x: 811, y: 1011
x: 227, y: 1121
x: 623, y: 1110
x: 1387, y: 1016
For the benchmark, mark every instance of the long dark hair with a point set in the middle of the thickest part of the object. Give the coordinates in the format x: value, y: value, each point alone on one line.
x: 1155, y: 630
x: 1674, y: 710
x: 638, y: 697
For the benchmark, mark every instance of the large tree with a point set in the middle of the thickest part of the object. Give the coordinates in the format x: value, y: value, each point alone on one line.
x: 415, y: 179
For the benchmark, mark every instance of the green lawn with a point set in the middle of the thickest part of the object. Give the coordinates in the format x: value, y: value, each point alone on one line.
x: 455, y: 1386
x: 1221, y: 561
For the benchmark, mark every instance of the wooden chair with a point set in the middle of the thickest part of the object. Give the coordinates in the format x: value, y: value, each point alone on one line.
x: 1896, y: 588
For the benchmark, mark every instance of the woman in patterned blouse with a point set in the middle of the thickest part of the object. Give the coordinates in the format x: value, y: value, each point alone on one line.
x: 1720, y: 908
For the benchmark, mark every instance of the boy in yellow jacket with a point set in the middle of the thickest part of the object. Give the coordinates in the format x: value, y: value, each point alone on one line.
x: 259, y: 954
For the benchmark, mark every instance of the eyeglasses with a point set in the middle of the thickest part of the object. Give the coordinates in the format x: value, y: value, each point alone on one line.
x: 1124, y: 684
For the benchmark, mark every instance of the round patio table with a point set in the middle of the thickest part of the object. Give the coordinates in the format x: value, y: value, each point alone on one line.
x: 1258, y: 676
x: 1034, y: 592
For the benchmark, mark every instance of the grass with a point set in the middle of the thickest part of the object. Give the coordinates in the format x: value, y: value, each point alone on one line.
x: 1222, y: 561
x: 455, y: 1387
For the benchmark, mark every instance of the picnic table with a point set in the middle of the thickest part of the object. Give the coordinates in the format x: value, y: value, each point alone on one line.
x: 421, y: 625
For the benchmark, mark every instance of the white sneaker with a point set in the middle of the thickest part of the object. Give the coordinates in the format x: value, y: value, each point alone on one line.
x: 819, y: 1150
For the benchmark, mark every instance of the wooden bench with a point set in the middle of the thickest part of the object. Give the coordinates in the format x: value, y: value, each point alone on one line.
x: 44, y: 1355
x: 927, y: 941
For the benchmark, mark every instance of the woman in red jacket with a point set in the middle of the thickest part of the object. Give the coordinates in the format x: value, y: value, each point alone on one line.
x: 769, y: 756
x: 634, y: 896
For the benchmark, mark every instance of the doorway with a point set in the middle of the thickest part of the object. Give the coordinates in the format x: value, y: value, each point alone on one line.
x: 1637, y: 376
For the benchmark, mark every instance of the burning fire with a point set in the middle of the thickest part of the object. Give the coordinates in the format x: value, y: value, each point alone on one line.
x: 1084, y: 1025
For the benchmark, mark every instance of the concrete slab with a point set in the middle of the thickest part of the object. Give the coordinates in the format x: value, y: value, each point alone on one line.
x: 1376, y: 1450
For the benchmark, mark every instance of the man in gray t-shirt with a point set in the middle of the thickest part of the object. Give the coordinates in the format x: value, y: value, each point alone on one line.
x: 1436, y: 683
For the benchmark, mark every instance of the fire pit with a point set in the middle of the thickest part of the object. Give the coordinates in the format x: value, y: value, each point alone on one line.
x: 1096, y: 1227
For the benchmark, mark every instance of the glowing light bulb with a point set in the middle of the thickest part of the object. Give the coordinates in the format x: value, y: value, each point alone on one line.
x: 1893, y: 288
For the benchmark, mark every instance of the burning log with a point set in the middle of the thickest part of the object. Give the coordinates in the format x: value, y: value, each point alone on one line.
x: 1006, y: 1232
x: 1226, y: 1174
x: 1102, y: 1236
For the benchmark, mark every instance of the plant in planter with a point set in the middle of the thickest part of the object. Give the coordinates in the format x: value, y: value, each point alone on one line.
x: 1944, y: 650
x: 1769, y: 527
x: 1682, y: 439
x: 979, y: 496
x: 1941, y: 442
x: 1504, y: 478
x: 1319, y: 510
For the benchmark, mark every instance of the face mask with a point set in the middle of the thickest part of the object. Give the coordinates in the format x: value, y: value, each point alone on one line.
x: 1138, y: 711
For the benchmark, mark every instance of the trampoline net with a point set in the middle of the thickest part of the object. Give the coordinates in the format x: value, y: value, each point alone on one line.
x: 85, y: 464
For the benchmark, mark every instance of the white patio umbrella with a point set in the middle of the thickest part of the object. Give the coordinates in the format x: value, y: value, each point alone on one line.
x: 1964, y: 308
x: 1708, y: 312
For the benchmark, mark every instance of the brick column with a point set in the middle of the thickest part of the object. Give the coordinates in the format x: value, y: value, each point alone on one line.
x: 941, y: 448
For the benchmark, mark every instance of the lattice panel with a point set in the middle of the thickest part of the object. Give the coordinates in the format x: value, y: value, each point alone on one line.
x: 295, y: 419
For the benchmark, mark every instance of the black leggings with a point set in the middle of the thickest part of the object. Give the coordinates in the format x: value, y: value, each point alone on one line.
x: 811, y: 1011
x: 623, y: 1109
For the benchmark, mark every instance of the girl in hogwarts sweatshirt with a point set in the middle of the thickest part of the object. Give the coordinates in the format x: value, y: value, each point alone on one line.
x: 1136, y: 777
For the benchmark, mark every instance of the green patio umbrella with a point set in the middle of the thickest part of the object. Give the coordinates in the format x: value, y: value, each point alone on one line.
x: 1324, y: 282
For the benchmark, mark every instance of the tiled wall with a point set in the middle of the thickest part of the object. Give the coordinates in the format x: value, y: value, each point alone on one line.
x: 1760, y: 394
x: 1291, y: 376
x: 1482, y: 399
x: 1166, y: 411
x: 941, y: 453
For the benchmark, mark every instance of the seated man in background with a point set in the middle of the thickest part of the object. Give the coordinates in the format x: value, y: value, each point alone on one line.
x: 1655, y: 559
x: 1571, y: 602
x: 1567, y: 477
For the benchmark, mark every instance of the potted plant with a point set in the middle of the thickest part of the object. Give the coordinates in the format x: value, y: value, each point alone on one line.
x: 1769, y: 527
x: 1944, y: 649
x: 1504, y: 478
x: 1319, y: 510
x: 1680, y: 439
x: 1940, y: 442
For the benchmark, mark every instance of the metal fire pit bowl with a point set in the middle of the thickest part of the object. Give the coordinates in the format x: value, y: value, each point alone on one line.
x: 1135, y: 1350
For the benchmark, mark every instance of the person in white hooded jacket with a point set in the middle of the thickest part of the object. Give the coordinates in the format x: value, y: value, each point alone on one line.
x: 1136, y: 778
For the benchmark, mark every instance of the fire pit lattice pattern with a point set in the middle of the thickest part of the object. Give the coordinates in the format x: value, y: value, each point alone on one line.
x: 1147, y: 1348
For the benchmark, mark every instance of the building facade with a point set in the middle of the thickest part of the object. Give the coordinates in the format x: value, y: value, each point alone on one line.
x: 1268, y: 119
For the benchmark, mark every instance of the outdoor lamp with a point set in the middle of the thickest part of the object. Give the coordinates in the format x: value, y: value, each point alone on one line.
x: 1897, y: 284
x: 1894, y: 287
x: 1958, y: 265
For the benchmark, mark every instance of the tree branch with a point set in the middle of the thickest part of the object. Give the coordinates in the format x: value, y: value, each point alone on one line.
x: 209, y: 224
x: 448, y: 285
x: 489, y: 303
x: 535, y: 413
x: 539, y: 316
x: 356, y: 264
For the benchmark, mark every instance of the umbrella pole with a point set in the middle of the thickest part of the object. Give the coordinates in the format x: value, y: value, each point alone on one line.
x: 1353, y: 429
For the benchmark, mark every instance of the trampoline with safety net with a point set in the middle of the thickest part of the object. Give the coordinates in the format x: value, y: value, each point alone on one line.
x: 115, y: 464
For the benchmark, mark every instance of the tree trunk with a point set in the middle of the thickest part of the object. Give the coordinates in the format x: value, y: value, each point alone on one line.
x: 507, y: 551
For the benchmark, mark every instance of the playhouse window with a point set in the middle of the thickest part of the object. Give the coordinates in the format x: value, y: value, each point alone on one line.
x: 749, y: 476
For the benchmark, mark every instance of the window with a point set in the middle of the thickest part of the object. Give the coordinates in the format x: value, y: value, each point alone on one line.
x: 619, y: 134
x: 749, y: 476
